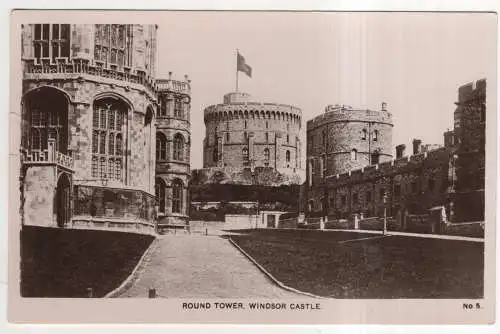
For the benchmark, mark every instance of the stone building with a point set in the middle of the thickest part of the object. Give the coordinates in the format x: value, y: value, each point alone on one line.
x: 245, y: 133
x: 89, y: 113
x: 344, y: 138
x: 173, y: 147
x: 468, y: 140
x: 451, y: 176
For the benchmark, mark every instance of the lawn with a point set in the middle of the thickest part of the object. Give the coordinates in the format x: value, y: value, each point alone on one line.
x: 64, y: 263
x: 331, y: 264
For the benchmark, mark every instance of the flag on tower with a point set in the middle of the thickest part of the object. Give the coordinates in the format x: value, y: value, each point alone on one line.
x: 243, y: 66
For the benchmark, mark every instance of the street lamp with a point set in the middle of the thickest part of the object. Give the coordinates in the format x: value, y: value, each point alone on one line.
x: 385, y: 212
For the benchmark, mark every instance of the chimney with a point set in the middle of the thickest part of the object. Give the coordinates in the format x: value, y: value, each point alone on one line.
x: 384, y: 106
x: 416, y: 146
x: 400, y: 151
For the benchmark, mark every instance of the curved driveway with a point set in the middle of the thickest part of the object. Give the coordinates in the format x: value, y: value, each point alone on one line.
x: 202, y: 267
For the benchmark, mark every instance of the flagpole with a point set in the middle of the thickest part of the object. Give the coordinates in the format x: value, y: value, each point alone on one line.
x: 237, y: 53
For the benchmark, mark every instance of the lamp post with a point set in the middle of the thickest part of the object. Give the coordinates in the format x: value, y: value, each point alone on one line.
x: 385, y: 212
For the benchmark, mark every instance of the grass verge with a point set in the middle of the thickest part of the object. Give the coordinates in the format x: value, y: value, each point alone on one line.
x: 337, y: 264
x: 65, y: 263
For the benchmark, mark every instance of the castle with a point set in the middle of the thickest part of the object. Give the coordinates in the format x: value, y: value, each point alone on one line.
x: 101, y: 135
x: 351, y: 170
x: 106, y: 144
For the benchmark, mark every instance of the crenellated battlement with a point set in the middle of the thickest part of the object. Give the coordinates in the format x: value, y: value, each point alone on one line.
x: 395, y: 166
x: 472, y: 90
x: 336, y: 113
x: 175, y: 86
x: 244, y: 106
x: 252, y: 110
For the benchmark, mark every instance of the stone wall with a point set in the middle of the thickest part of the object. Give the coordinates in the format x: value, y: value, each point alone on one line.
x: 412, y: 184
x: 39, y: 190
x: 102, y: 202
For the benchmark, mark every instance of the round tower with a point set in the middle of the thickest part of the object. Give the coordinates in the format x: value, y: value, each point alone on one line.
x: 244, y: 132
x: 344, y: 138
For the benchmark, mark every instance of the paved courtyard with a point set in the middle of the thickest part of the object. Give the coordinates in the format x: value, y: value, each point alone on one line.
x: 199, y: 266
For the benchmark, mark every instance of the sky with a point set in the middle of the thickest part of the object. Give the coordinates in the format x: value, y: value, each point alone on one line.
x: 414, y: 62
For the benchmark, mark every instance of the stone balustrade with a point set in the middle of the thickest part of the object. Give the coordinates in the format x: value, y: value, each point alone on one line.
x: 97, y: 68
x: 46, y: 157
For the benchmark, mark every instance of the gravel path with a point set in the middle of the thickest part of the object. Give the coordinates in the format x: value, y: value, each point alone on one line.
x: 202, y: 267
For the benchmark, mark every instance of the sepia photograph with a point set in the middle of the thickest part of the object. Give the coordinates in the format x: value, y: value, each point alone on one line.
x: 253, y: 166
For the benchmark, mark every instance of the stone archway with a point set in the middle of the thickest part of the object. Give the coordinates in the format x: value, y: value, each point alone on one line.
x: 62, y: 200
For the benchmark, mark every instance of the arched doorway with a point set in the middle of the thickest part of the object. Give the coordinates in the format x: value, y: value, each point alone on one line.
x: 62, y: 200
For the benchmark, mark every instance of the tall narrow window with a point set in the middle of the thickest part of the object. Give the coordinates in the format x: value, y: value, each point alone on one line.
x: 322, y: 167
x: 161, y: 147
x: 397, y: 191
x: 267, y: 136
x: 178, y: 147
x: 375, y: 135
x: 178, y: 112
x: 354, y: 154
x: 215, y: 155
x: 245, y: 124
x: 163, y: 106
x: 108, y: 130
x: 363, y: 134
x: 177, y: 196
x: 267, y: 157
x: 288, y: 139
x: 245, y: 156
x: 287, y: 156
x: 112, y: 43
x: 160, y: 194
x: 227, y: 137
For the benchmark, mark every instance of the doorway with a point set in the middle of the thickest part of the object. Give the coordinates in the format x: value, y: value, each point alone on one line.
x: 62, y: 200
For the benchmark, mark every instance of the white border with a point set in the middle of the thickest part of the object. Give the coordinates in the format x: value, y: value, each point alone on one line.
x: 6, y: 5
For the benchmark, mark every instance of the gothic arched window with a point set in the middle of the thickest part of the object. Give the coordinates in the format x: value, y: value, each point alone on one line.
x: 160, y: 194
x: 178, y: 147
x: 109, y: 128
x: 215, y: 155
x: 161, y: 147
x: 177, y: 196
x: 354, y: 154
x: 46, y: 114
